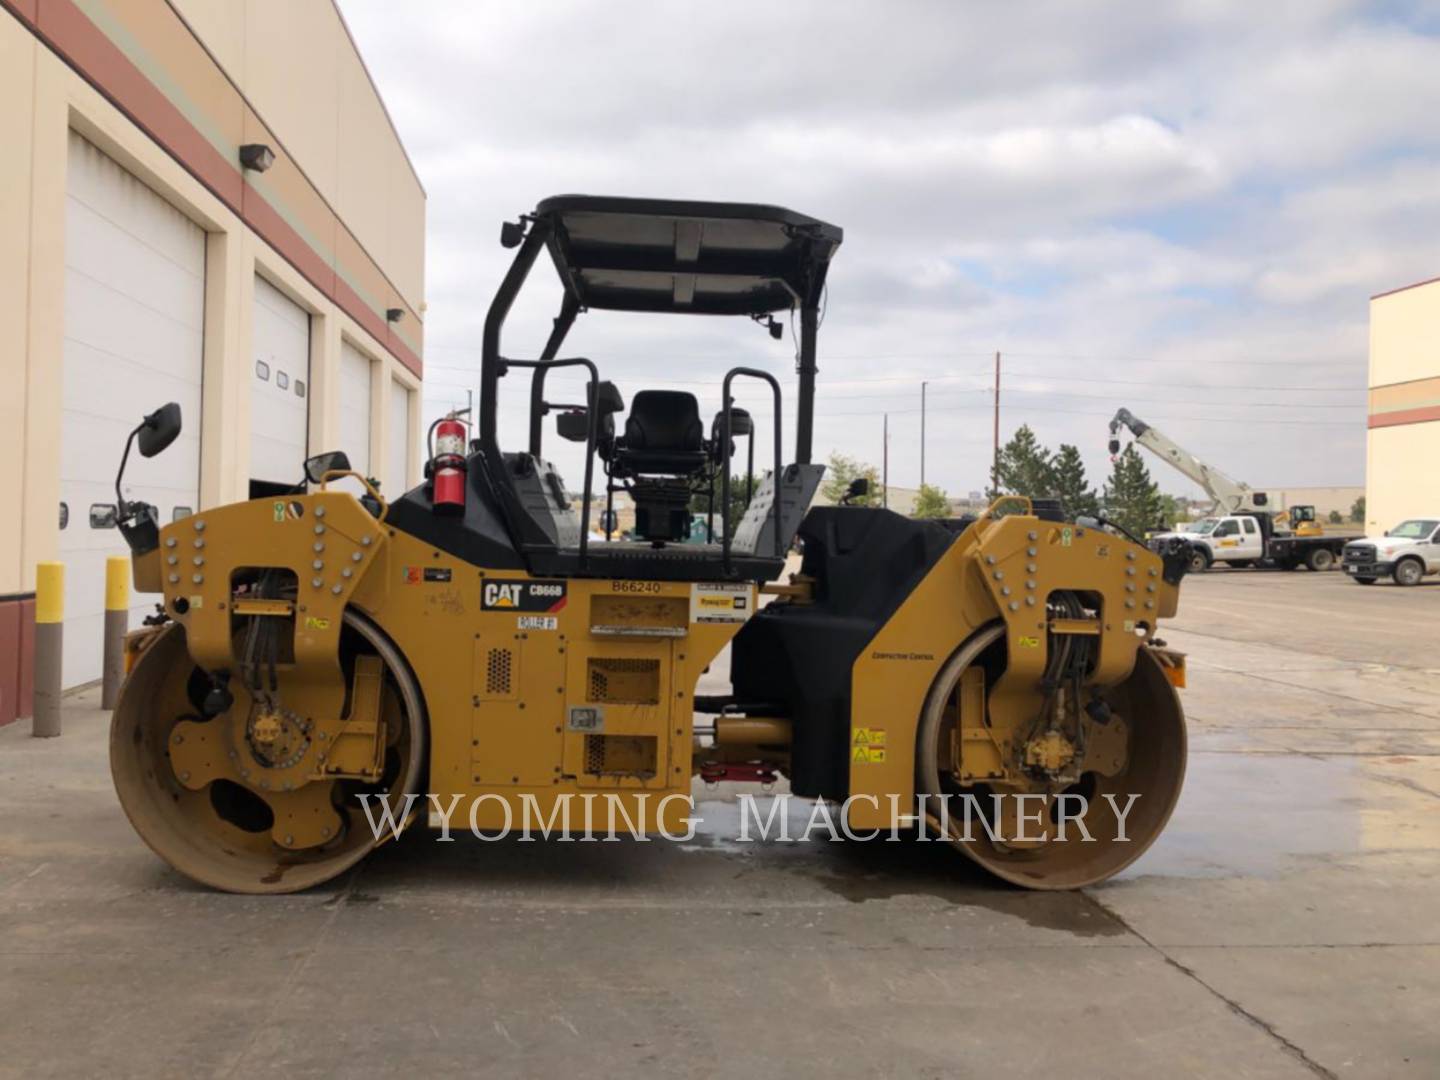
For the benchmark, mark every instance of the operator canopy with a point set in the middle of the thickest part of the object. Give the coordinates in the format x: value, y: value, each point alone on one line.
x: 706, y: 258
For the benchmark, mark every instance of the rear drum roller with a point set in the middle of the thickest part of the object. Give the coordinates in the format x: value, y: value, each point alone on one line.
x: 1153, y: 769
x: 221, y: 835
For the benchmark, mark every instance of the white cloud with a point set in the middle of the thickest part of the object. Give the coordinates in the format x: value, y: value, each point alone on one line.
x: 1198, y: 194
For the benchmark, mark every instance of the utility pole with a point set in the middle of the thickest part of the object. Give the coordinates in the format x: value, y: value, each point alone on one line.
x: 995, y: 459
x: 885, y: 467
x: 922, y: 433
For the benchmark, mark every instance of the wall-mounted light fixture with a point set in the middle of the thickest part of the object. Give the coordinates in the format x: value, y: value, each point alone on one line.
x: 257, y: 157
x: 394, y: 314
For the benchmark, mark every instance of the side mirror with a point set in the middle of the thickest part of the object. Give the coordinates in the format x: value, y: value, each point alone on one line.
x: 741, y: 423
x: 608, y: 399
x: 573, y: 425
x: 317, y: 466
x: 159, y: 430
x: 858, y: 489
x: 1114, y: 446
x: 512, y: 233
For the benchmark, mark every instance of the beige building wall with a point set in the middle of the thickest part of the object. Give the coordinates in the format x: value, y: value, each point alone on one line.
x: 38, y: 85
x: 1401, y: 478
x: 295, y: 62
x: 358, y: 273
x: 1403, y: 444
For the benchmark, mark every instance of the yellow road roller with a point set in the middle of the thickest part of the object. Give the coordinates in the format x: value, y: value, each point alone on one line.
x: 491, y: 641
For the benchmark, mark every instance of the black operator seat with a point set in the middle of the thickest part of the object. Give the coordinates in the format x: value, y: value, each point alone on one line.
x: 663, y: 436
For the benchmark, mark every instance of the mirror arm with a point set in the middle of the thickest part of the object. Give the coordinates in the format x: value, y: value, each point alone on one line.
x: 122, y: 508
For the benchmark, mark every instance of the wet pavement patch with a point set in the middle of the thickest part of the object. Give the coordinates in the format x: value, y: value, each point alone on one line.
x: 888, y: 870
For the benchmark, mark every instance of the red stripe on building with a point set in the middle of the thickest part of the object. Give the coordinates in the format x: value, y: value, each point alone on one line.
x: 1405, y: 416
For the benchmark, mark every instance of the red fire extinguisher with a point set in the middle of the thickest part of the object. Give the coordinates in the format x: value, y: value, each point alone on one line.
x: 447, y: 464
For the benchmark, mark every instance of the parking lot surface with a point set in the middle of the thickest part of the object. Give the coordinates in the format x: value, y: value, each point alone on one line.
x: 1287, y: 924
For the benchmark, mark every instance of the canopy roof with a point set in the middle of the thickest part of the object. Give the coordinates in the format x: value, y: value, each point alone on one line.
x: 707, y: 258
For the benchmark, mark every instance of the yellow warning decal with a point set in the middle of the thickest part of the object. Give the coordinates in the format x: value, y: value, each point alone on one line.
x: 1028, y: 642
x: 312, y: 623
x: 867, y: 746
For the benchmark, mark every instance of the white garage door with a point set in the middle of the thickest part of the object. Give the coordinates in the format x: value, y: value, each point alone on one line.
x: 355, y: 407
x: 397, y: 481
x: 279, y: 390
x: 134, y: 325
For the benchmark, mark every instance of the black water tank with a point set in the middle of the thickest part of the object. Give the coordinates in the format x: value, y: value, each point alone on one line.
x: 1047, y: 509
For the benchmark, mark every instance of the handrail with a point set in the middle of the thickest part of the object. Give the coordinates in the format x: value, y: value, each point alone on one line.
x: 726, y: 403
x: 374, y: 492
x: 592, y: 431
x: 989, y: 513
x: 569, y: 308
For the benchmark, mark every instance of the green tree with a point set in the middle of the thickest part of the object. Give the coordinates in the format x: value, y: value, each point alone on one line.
x: 1131, y: 498
x: 1169, y: 510
x: 700, y: 502
x: 932, y: 502
x: 1357, y: 511
x: 838, y: 474
x: 1335, y: 518
x: 1025, y: 466
x: 1075, y: 494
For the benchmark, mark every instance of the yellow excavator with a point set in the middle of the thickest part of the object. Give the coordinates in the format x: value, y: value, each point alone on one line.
x: 319, y: 656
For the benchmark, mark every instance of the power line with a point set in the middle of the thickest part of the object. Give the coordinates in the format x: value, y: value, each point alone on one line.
x: 1079, y: 412
x: 1250, y: 421
x: 714, y: 395
x: 1295, y: 360
x: 1298, y: 360
x: 1156, y: 401
x: 845, y: 380
x: 1191, y: 386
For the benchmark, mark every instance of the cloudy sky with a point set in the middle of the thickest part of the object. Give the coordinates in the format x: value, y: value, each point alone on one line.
x: 1182, y: 208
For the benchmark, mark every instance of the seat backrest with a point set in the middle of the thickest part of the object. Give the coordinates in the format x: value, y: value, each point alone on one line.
x: 664, y: 420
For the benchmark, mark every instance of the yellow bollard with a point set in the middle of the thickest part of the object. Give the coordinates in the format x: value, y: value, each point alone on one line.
x: 49, y: 648
x: 117, y: 621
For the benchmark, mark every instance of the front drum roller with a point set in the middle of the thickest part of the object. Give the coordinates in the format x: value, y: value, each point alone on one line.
x: 1154, y: 769
x: 221, y: 835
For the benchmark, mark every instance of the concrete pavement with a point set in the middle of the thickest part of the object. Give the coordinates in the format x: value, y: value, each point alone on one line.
x: 1286, y: 924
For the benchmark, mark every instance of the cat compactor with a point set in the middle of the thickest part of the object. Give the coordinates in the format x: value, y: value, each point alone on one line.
x: 476, y: 640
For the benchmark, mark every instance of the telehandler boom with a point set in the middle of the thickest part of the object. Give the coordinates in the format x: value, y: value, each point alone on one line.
x: 1228, y: 496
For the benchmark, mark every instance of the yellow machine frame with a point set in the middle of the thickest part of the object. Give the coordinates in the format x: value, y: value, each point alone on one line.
x: 595, y: 694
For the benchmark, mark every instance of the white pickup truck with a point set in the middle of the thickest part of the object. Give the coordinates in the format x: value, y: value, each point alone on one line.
x: 1406, y: 553
x: 1249, y: 538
